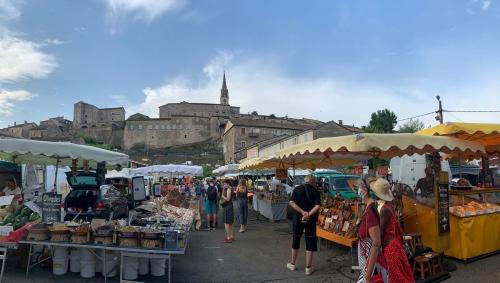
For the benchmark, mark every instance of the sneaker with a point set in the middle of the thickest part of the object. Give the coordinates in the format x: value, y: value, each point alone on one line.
x: 309, y: 270
x: 291, y: 266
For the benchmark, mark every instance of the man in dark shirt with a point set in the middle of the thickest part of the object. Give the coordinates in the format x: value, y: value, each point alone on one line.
x: 305, y: 201
x: 426, y: 184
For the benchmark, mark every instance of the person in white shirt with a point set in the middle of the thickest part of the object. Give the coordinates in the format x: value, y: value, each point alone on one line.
x: 11, y: 188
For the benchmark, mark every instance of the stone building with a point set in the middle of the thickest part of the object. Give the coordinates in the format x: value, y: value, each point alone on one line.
x: 19, y: 130
x: 247, y: 130
x: 104, y: 125
x: 181, y: 123
x: 328, y: 129
x: 53, y: 129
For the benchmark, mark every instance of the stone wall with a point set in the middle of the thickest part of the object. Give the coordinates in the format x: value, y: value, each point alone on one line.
x: 197, y: 109
x: 160, y: 133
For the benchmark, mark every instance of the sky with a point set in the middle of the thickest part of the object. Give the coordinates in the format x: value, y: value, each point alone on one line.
x: 325, y: 60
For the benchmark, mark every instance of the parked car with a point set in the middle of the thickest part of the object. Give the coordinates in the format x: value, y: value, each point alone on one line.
x: 88, y: 200
x: 335, y: 182
x: 261, y: 184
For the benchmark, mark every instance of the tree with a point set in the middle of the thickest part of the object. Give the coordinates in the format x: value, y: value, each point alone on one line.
x: 411, y: 126
x: 382, y: 121
x: 207, y: 170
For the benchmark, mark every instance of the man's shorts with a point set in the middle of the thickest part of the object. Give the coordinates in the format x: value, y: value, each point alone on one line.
x: 210, y: 207
x: 310, y: 234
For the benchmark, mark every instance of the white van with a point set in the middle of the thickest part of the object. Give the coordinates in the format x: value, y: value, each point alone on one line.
x: 409, y: 169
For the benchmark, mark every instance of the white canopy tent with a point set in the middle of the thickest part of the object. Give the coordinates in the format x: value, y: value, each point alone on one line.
x: 22, y: 151
x: 172, y: 169
x: 226, y: 169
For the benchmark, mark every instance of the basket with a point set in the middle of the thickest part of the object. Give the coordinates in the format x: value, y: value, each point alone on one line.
x: 79, y: 238
x: 38, y: 232
x: 151, y: 243
x: 103, y: 240
x: 128, y: 242
x: 60, y: 237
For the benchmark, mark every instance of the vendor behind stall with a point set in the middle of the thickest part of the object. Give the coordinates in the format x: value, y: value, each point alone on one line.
x: 11, y: 188
x: 426, y: 184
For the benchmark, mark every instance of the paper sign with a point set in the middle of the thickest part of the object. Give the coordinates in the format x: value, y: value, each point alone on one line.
x: 34, y: 207
x: 5, y: 230
x: 6, y: 200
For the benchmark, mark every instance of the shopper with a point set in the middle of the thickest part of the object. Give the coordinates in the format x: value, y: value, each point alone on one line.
x: 242, y: 199
x: 219, y: 191
x: 370, y: 257
x: 228, y: 211
x: 305, y: 201
x: 210, y: 204
x: 392, y: 235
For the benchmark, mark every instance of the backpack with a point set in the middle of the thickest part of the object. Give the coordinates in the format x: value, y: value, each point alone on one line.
x: 212, y: 193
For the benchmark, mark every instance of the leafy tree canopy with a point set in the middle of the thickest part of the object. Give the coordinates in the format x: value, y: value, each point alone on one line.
x: 411, y: 126
x: 382, y: 121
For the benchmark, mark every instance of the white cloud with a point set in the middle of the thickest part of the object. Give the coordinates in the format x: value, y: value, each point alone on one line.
x: 20, y: 59
x: 53, y: 41
x: 146, y: 10
x: 485, y: 5
x: 9, y: 97
x: 258, y: 85
x: 10, y: 9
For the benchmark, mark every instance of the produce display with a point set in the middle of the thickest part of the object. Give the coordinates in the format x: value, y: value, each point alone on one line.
x: 474, y: 208
x: 17, y: 217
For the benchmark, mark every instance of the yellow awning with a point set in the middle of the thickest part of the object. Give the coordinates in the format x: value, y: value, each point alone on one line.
x: 385, y: 146
x: 305, y: 161
x: 486, y: 134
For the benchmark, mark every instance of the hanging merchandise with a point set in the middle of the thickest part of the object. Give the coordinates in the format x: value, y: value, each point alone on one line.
x: 74, y: 167
x: 86, y: 166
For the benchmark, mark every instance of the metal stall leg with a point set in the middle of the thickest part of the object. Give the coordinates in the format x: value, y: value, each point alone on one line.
x: 29, y: 261
x: 121, y: 267
x: 169, y: 267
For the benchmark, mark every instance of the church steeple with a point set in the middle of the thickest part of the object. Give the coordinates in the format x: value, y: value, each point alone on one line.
x: 224, y: 93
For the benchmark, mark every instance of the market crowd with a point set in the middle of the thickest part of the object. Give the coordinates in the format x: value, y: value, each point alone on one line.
x: 381, y: 254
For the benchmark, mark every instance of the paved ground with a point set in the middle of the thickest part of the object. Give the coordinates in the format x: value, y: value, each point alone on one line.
x: 259, y: 255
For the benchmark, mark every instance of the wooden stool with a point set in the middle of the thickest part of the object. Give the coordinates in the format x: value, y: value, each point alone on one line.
x: 436, y: 263
x: 422, y: 265
x: 416, y: 241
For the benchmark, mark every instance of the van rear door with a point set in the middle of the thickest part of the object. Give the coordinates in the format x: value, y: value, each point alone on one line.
x: 138, y: 189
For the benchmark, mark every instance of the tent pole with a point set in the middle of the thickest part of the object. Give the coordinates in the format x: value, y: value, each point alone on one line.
x: 55, y: 175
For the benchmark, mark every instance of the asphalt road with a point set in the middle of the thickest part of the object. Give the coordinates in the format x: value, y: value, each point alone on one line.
x: 258, y: 255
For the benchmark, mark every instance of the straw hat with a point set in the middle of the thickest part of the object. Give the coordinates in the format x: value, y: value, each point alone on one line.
x: 382, y: 189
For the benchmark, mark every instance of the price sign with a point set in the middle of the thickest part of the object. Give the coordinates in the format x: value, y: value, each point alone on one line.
x: 281, y: 174
x: 443, y: 203
x: 51, y: 207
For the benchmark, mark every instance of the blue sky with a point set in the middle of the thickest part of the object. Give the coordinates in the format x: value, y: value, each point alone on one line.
x: 327, y: 60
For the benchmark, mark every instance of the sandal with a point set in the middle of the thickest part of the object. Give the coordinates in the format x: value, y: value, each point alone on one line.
x: 227, y: 241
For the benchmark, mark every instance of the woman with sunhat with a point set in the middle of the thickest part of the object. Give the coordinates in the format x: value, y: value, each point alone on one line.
x: 392, y: 234
x: 370, y: 257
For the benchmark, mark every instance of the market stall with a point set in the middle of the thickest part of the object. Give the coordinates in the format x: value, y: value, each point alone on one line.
x: 471, y: 208
x: 151, y: 236
x: 375, y: 145
x: 271, y: 203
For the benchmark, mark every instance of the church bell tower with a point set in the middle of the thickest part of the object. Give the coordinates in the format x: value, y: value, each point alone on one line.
x: 224, y: 93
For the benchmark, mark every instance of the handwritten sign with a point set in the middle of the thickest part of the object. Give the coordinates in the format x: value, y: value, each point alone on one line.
x: 51, y: 207
x: 443, y: 204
